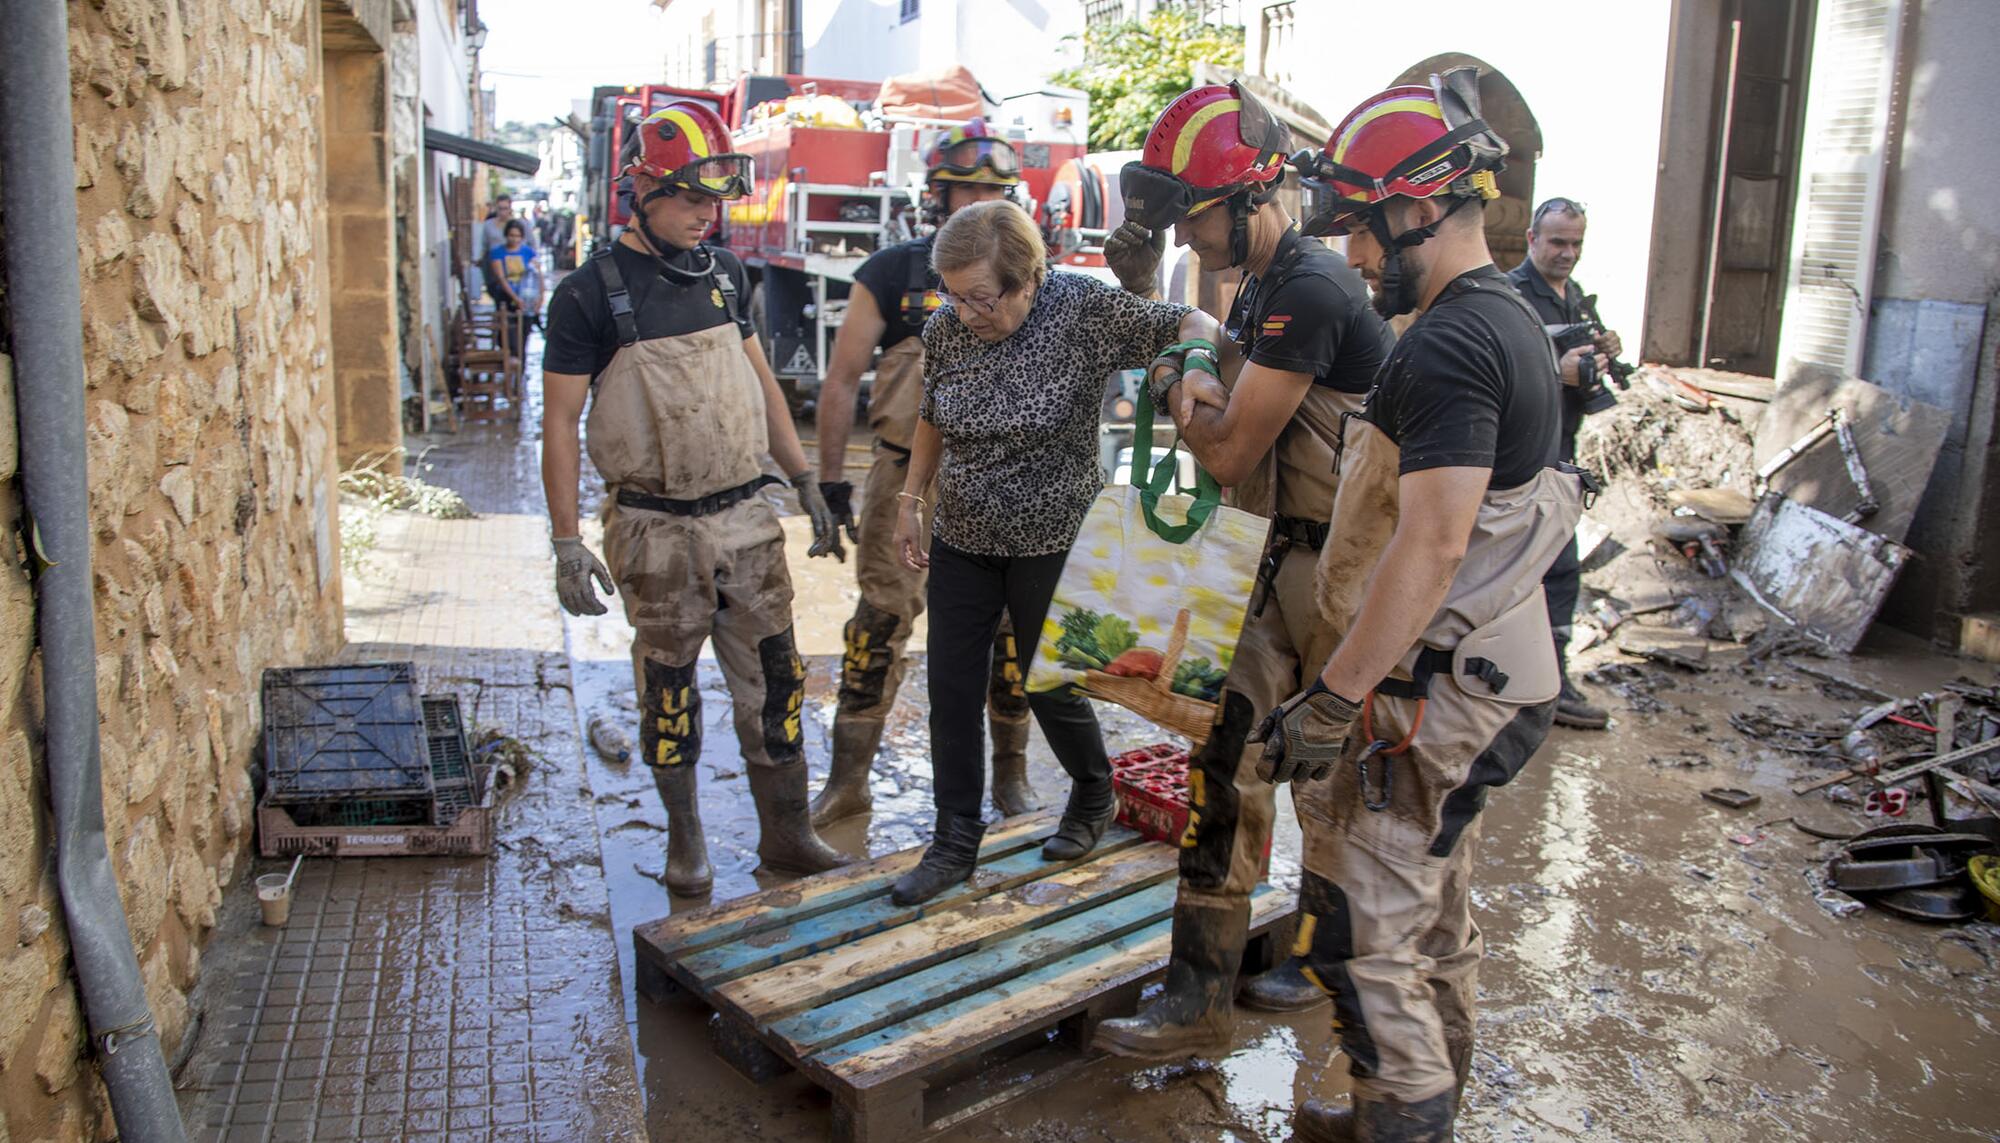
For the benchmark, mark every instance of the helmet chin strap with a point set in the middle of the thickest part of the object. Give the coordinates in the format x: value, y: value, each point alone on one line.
x: 1397, y: 293
x: 655, y: 244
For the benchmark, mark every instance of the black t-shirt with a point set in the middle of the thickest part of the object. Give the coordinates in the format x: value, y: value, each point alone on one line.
x: 1553, y: 310
x: 890, y: 275
x: 581, y: 336
x: 1310, y: 314
x: 1472, y: 383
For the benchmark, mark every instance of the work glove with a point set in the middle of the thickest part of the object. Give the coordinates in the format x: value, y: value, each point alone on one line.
x: 1304, y: 737
x: 1133, y: 253
x: 826, y: 529
x: 839, y: 496
x: 575, y: 568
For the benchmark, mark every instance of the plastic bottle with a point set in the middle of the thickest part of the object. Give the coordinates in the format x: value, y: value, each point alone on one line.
x: 610, y: 739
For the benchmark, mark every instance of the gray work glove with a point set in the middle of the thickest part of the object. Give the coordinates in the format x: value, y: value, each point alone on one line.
x: 826, y: 529
x: 1133, y: 253
x: 1304, y: 737
x: 575, y: 568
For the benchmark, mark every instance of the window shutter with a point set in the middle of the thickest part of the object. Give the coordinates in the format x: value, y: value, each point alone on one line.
x: 1841, y: 169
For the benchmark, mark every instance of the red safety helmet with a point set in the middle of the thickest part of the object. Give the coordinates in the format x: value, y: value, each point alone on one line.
x: 684, y: 144
x: 1412, y: 141
x: 972, y: 153
x: 1213, y: 142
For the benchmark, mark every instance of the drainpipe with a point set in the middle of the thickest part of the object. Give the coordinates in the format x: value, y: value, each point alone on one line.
x: 44, y: 298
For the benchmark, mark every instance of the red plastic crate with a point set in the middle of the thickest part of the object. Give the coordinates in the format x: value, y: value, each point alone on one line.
x: 1152, y: 788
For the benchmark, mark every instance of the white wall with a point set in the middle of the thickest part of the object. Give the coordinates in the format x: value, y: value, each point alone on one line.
x: 446, y: 94
x: 1594, y: 76
x: 1010, y: 45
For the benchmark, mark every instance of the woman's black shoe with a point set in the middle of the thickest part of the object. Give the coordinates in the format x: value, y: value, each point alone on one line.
x: 953, y: 855
x: 1091, y: 807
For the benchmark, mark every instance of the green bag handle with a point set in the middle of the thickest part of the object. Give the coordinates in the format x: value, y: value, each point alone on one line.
x: 1207, y: 495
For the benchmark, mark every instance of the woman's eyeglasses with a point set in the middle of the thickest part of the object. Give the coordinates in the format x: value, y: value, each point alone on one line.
x: 983, y: 305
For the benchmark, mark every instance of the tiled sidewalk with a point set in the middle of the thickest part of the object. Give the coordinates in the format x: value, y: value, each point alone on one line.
x: 438, y: 999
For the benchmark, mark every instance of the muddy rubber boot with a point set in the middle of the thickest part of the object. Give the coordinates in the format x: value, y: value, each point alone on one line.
x: 785, y: 838
x: 1283, y: 989
x: 1377, y: 1121
x: 688, y: 873
x: 1194, y: 1014
x: 1574, y: 708
x: 951, y: 858
x: 846, y: 794
x: 1011, y: 793
x: 1091, y: 807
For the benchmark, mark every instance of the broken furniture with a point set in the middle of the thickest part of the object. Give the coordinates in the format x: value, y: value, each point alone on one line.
x: 1914, y: 871
x: 1823, y: 575
x: 357, y: 763
x: 486, y: 372
x: 1894, y: 440
x: 885, y: 1007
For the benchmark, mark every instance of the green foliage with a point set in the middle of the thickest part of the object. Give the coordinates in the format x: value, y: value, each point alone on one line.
x: 1198, y: 678
x: 1090, y: 641
x: 1132, y: 70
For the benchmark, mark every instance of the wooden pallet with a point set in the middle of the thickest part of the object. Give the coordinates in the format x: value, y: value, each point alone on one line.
x: 885, y: 1007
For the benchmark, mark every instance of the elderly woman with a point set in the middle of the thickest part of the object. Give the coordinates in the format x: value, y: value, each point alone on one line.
x: 1015, y: 367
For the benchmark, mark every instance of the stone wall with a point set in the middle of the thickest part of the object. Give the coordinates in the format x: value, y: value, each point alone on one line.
x: 202, y: 239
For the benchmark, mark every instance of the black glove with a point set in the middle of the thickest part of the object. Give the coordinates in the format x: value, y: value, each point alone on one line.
x: 839, y: 497
x: 1133, y: 253
x: 1304, y: 737
x: 826, y: 532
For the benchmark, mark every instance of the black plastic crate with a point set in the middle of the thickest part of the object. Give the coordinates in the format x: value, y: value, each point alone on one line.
x: 454, y: 781
x: 335, y: 734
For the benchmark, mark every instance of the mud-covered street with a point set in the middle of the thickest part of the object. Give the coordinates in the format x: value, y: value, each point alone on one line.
x: 1658, y: 966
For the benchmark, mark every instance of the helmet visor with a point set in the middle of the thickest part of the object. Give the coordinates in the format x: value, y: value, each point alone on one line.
x: 725, y: 176
x: 1328, y: 213
x: 1153, y: 198
x: 969, y: 156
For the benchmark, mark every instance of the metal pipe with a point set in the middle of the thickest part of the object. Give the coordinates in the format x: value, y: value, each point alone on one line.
x: 1721, y: 191
x: 44, y: 298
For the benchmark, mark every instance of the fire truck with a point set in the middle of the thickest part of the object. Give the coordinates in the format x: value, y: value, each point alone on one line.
x: 836, y: 181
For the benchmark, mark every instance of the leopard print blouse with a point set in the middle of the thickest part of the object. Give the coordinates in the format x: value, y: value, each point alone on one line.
x: 1019, y: 417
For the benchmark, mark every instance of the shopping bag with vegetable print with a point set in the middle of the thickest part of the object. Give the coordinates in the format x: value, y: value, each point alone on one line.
x: 1151, y: 600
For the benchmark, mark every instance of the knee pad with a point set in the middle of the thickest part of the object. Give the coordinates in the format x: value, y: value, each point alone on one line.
x: 1006, y: 690
x: 1325, y: 944
x: 1210, y: 839
x: 784, y: 697
x: 867, y: 657
x: 669, y: 715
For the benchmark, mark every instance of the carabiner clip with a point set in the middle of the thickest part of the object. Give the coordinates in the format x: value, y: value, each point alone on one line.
x: 1388, y: 774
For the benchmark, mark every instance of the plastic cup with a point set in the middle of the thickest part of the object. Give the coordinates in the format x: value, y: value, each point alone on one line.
x: 274, y: 894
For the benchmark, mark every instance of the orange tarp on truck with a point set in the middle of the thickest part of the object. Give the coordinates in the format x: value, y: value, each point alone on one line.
x: 946, y: 93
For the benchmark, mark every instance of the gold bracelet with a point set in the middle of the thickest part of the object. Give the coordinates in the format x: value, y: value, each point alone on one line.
x: 921, y: 502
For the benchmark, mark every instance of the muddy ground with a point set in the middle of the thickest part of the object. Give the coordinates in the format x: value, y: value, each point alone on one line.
x: 1657, y: 966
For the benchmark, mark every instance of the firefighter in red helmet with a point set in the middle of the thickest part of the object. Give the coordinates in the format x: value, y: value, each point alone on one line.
x: 651, y: 334
x: 1303, y: 347
x: 894, y: 292
x: 1451, y: 504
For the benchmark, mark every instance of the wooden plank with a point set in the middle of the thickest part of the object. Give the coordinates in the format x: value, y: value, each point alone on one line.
x: 1030, y: 1000
x: 862, y: 964
x: 775, y: 908
x: 1720, y: 505
x: 903, y: 997
x: 720, y: 964
x: 1898, y: 438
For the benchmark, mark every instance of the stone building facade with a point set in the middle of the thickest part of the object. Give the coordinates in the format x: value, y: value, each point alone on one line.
x: 213, y: 243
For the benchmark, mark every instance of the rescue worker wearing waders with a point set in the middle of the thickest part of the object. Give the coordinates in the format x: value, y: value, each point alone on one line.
x: 1450, y: 506
x: 894, y: 292
x: 682, y: 409
x: 1303, y: 348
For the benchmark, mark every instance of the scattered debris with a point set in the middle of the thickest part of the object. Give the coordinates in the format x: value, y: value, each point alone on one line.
x: 1681, y: 759
x: 1816, y: 572
x: 608, y: 738
x: 1733, y: 798
x: 1688, y: 655
x: 1716, y: 505
x: 371, y: 479
x: 510, y: 758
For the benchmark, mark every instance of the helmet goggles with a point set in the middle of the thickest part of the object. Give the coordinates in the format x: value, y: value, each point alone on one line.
x: 967, y: 158
x: 724, y: 176
x: 1156, y: 200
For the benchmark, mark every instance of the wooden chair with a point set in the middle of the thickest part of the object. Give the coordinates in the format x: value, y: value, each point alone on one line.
x: 485, y: 368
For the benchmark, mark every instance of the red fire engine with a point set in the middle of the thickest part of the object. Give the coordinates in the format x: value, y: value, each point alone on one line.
x: 837, y: 181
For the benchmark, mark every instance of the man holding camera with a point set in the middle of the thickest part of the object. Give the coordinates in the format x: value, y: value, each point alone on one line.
x: 1555, y: 245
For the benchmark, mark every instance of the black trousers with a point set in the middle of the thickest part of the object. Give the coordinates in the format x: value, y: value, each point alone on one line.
x: 1562, y: 584
x: 966, y: 595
